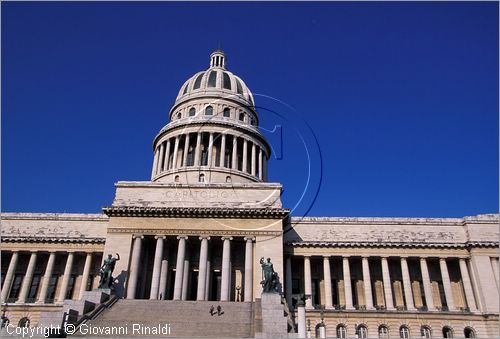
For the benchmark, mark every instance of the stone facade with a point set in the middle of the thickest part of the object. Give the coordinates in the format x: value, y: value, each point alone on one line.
x: 196, y: 231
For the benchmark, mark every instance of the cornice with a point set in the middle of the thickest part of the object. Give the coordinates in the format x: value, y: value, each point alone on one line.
x: 195, y: 212
x: 319, y: 244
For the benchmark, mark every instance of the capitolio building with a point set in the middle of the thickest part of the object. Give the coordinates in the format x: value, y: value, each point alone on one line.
x: 182, y: 255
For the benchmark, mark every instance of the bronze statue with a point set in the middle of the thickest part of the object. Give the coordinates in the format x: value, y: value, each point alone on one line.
x: 270, y: 277
x: 106, y: 271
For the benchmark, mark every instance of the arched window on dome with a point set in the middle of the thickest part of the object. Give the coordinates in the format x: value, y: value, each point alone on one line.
x: 228, y: 179
x: 192, y: 112
x: 226, y: 113
x: 425, y: 332
x: 197, y: 82
x: 212, y: 79
x: 383, y: 331
x: 239, y: 89
x: 176, y: 178
x: 185, y: 89
x: 447, y: 332
x: 241, y: 116
x: 179, y: 115
x: 341, y: 331
x: 404, y: 332
x: 201, y: 178
x: 362, y: 331
x: 209, y: 110
x: 469, y: 332
x: 226, y: 81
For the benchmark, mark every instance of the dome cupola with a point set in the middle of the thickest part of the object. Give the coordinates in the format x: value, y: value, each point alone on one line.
x: 213, y: 133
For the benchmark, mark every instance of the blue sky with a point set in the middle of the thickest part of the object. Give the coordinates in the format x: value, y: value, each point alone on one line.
x: 402, y: 99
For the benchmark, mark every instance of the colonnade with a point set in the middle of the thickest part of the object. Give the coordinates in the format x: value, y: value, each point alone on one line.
x: 368, y: 265
x: 40, y: 288
x: 210, y: 149
x: 160, y: 268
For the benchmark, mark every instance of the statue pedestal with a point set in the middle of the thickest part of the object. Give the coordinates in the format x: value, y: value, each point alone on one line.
x: 270, y: 316
x: 97, y: 296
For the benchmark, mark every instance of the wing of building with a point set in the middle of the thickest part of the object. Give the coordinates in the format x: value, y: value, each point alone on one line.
x: 192, y: 238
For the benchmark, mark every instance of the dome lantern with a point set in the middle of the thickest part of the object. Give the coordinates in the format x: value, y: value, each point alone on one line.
x: 218, y: 59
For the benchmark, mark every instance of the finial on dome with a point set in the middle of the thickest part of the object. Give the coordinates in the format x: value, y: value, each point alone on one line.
x: 218, y: 59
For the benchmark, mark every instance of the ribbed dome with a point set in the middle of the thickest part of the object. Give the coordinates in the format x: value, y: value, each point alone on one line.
x: 216, y: 80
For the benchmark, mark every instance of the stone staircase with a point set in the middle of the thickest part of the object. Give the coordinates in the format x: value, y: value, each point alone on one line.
x: 186, y: 319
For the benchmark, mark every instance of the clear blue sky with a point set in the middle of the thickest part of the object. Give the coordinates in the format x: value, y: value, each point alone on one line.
x: 402, y: 98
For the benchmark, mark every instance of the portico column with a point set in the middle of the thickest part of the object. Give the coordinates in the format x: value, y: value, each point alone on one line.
x: 155, y: 278
x: 288, y: 281
x: 367, y: 281
x: 134, y: 267
x: 222, y: 150
x: 163, y: 280
x: 202, y: 268
x: 160, y: 162
x: 176, y: 150
x: 197, y: 150
x: 253, y: 159
x: 235, y: 155
x: 167, y: 155
x: 494, y: 265
x: 446, y: 284
x: 328, y: 283
x: 248, y: 287
x: 210, y: 149
x: 226, y: 268
x: 155, y: 162
x: 426, y: 281
x: 347, y: 283
x: 407, y: 285
x: 179, y: 267
x: 245, y: 156
x: 46, y: 278
x: 185, y: 277
x: 261, y: 175
x: 27, y: 278
x: 66, y: 276
x: 308, y: 282
x: 469, y: 294
x: 9, y: 276
x: 86, y: 272
x: 186, y: 150
x: 386, y: 277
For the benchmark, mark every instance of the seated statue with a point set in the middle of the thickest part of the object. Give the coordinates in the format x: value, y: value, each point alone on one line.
x: 106, y: 271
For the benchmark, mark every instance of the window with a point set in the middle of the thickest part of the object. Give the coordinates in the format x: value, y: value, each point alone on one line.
x: 24, y: 322
x: 226, y: 113
x: 197, y: 82
x: 362, y: 331
x: 33, y: 288
x: 383, y: 331
x: 176, y: 179
x: 51, y: 291
x: 252, y: 121
x: 209, y: 110
x: 425, y: 332
x: 179, y: 115
x: 201, y: 178
x: 226, y: 81
x: 71, y: 287
x: 212, y: 79
x: 192, y: 112
x: 341, y: 331
x: 185, y: 89
x: 404, y: 332
x: 228, y: 179
x: 239, y: 89
x: 469, y: 332
x: 241, y: 116
x: 447, y: 332
x: 90, y: 283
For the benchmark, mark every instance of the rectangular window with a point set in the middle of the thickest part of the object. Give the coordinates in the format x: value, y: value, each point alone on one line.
x: 90, y: 283
x: 35, y: 282
x: 71, y: 287
x: 51, y: 290
x: 16, y: 287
